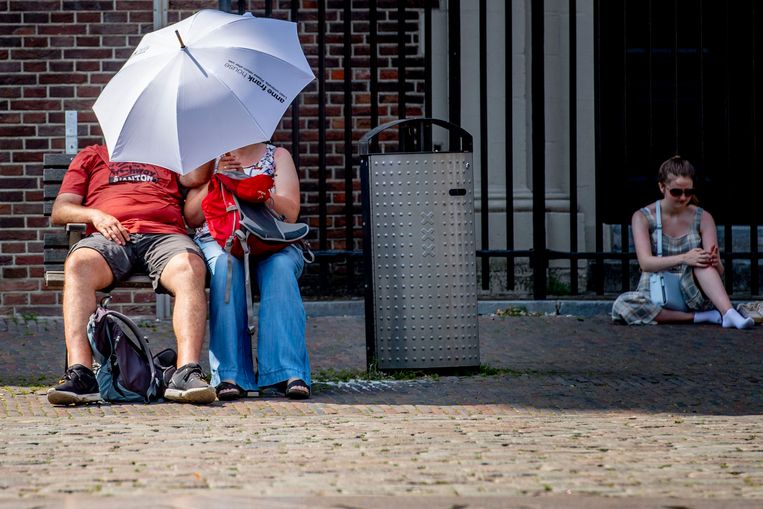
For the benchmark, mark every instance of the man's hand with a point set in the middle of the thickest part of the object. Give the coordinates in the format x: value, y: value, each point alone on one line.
x: 110, y: 227
x: 68, y: 208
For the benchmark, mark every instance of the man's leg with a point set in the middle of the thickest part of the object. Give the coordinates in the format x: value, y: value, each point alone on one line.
x: 184, y: 277
x: 179, y: 265
x: 85, y: 272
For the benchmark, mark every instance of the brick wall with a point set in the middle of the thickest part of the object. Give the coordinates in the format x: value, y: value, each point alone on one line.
x: 56, y: 55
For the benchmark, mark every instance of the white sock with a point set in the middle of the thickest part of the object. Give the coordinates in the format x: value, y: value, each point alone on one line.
x: 732, y: 318
x: 712, y: 316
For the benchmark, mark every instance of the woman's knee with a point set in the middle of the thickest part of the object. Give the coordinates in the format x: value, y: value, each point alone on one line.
x: 278, y: 274
x: 284, y: 263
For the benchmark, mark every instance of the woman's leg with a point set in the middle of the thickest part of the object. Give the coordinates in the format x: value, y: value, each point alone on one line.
x: 712, y: 286
x: 281, y: 347
x: 230, y: 345
x: 670, y: 316
x: 710, y: 282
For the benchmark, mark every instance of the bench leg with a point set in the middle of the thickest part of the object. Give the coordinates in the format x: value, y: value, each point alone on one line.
x: 162, y: 306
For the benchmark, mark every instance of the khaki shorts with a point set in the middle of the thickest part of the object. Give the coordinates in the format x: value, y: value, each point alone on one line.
x: 145, y: 252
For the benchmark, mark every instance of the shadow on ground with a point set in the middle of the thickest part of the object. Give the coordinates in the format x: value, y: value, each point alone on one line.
x: 552, y: 362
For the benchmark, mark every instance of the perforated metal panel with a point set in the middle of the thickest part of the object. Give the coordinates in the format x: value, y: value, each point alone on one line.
x: 423, y: 260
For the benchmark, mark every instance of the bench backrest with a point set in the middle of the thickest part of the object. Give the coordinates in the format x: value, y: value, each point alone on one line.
x: 56, y: 245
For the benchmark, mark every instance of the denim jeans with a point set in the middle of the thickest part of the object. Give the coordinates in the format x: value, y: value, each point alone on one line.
x: 281, y: 347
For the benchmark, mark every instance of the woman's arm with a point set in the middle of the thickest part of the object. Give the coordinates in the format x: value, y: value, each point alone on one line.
x: 194, y: 216
x: 646, y: 260
x: 199, y: 176
x: 285, y: 198
x: 710, y: 240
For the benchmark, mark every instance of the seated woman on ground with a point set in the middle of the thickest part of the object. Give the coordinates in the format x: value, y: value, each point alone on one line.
x: 690, y: 249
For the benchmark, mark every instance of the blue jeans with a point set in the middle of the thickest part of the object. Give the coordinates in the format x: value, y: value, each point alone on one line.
x: 281, y: 347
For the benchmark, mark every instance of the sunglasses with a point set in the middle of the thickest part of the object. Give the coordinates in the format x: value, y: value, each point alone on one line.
x: 676, y: 192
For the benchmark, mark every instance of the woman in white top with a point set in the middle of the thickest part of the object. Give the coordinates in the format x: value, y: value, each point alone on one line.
x: 282, y: 358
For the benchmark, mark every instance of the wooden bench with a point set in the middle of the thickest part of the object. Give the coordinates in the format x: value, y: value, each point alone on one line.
x: 56, y: 245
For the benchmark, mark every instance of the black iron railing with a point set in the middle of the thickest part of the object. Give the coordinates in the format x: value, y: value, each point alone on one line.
x: 664, y: 81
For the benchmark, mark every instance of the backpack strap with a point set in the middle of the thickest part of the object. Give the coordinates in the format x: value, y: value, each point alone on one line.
x: 307, y: 253
x: 229, y: 241
x: 229, y: 277
x: 698, y: 219
x: 247, y: 280
x: 658, y: 227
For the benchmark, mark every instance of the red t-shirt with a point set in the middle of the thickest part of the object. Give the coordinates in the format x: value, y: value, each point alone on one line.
x: 143, y: 197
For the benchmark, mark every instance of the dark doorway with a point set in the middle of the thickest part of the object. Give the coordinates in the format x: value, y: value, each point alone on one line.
x: 680, y: 77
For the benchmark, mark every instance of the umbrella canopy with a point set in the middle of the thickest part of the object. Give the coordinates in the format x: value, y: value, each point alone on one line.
x: 201, y: 87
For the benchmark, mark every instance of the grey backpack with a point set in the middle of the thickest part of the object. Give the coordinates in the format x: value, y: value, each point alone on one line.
x: 127, y: 371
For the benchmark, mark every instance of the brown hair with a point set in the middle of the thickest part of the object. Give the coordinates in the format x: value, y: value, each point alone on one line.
x: 677, y: 166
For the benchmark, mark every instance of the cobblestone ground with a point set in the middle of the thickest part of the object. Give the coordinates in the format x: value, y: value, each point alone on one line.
x: 576, y: 413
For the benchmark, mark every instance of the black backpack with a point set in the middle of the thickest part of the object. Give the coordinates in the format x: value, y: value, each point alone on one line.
x: 126, y: 371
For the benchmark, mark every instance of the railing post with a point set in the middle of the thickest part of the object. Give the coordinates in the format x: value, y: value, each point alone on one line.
x: 540, y: 256
x: 454, y: 64
x: 72, y: 145
x: 160, y: 13
x: 484, y: 156
x: 573, y: 98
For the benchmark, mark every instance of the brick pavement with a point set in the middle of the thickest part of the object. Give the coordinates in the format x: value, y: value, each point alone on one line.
x: 583, y: 414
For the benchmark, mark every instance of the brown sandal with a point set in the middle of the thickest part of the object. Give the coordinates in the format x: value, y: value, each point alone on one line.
x: 227, y: 391
x: 297, y: 389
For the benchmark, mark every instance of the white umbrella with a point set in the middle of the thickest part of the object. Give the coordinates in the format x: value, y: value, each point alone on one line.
x: 201, y: 87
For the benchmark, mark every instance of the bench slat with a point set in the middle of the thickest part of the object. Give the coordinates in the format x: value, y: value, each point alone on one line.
x: 58, y: 240
x: 53, y: 175
x: 57, y: 159
x: 50, y: 191
x: 55, y: 167
x: 54, y: 256
x: 55, y: 279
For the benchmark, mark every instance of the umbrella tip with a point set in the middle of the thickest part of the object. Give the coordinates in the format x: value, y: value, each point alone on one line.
x: 182, y: 45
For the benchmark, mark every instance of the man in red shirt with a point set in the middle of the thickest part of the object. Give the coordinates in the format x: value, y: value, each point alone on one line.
x: 134, y: 221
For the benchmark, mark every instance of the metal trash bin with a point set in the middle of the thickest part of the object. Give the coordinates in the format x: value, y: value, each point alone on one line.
x: 419, y: 249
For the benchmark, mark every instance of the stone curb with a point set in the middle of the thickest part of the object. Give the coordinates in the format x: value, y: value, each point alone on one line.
x: 583, y: 308
x: 356, y: 307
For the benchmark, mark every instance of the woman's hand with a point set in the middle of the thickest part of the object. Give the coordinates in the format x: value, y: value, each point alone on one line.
x: 715, y: 257
x: 229, y: 162
x: 698, y: 257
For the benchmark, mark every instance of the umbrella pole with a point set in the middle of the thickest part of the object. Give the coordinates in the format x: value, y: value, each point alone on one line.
x: 182, y: 45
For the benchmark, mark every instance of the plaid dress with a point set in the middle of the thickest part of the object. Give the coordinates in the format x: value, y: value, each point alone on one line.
x: 636, y: 308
